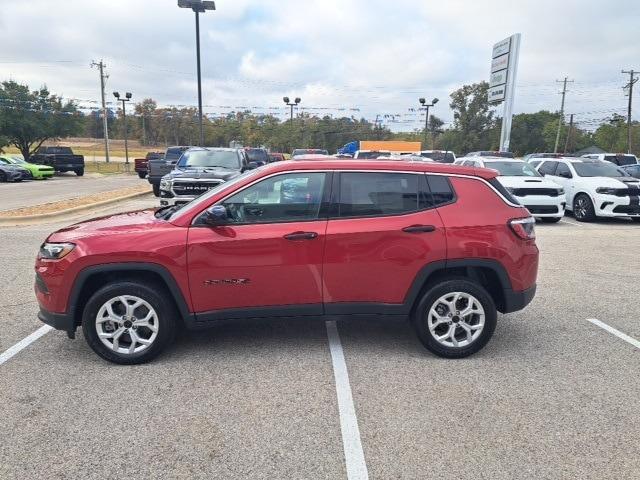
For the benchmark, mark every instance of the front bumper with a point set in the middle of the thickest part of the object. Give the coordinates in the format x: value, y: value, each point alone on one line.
x: 614, y: 206
x: 517, y: 300
x: 59, y: 321
x: 544, y: 206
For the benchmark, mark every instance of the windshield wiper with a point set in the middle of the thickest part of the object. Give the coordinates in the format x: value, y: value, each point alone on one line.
x: 165, y: 212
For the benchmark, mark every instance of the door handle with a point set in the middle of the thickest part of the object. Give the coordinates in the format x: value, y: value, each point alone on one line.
x: 301, y: 236
x: 419, y: 229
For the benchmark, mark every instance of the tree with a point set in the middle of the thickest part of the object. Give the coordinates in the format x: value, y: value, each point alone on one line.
x: 434, y: 128
x: 27, y: 119
x: 472, y: 118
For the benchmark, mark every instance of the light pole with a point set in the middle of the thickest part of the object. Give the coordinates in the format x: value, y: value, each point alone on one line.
x: 426, y: 105
x: 124, y: 117
x: 296, y: 101
x: 198, y: 6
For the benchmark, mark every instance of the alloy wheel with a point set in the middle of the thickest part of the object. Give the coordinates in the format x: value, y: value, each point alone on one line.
x: 456, y: 319
x: 581, y: 208
x: 127, y: 324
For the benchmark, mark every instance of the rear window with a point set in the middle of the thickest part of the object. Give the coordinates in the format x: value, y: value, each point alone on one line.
x: 548, y: 168
x: 621, y: 159
x: 377, y: 194
x: 443, y: 157
x: 174, y: 153
x: 58, y: 150
x: 257, y: 155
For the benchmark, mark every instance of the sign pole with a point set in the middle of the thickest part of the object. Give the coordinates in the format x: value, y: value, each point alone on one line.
x: 505, y: 134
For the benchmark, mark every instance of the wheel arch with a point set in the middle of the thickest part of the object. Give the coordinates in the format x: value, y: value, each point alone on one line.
x: 92, y: 278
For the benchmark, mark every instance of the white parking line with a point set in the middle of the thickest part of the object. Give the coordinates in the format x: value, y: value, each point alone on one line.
x: 353, y: 454
x: 24, y: 343
x: 617, y: 333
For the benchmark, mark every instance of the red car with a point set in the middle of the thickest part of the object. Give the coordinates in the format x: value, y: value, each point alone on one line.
x: 445, y: 245
x: 276, y: 157
x: 141, y: 165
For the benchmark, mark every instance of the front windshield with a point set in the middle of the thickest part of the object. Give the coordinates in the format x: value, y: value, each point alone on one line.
x: 210, y: 158
x: 598, y: 169
x: 169, y: 213
x: 513, y: 169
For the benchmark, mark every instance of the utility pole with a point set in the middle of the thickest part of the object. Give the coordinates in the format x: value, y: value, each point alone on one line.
x: 632, y: 80
x: 564, y: 92
x: 566, y: 143
x: 127, y: 97
x: 103, y: 76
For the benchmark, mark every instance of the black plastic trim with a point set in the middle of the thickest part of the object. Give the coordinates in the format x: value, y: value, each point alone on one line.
x: 205, y: 319
x: 59, y: 321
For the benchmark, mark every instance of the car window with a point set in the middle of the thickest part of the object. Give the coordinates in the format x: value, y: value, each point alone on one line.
x: 370, y: 194
x: 513, y: 169
x: 563, y: 170
x: 441, y: 190
x: 210, y: 158
x: 534, y: 163
x: 598, y: 169
x: 548, y: 168
x: 621, y: 159
x: 290, y: 197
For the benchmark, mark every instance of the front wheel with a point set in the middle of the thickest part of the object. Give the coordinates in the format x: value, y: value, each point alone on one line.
x: 636, y: 219
x: 79, y: 171
x: 129, y: 322
x: 3, y: 177
x: 455, y: 318
x: 156, y: 189
x: 583, y: 210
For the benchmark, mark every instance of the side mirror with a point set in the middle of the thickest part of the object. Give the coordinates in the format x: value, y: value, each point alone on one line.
x: 216, y: 216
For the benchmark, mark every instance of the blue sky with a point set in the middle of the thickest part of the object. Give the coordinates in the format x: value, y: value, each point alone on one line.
x: 342, y: 57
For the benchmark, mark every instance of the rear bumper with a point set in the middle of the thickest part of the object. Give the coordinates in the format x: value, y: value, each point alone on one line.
x: 517, y: 300
x: 59, y: 321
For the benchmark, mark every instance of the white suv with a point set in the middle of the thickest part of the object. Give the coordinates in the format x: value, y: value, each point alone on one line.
x: 619, y: 159
x: 594, y: 188
x: 544, y: 198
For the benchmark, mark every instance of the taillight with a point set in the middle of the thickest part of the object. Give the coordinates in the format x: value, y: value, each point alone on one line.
x: 525, y: 228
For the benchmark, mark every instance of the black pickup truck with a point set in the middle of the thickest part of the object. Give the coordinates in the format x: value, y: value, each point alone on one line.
x: 158, y: 168
x: 62, y: 159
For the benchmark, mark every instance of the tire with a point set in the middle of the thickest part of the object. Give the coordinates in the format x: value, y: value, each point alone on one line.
x: 142, y: 174
x: 583, y: 210
x: 156, y: 189
x: 431, y: 302
x: 3, y: 177
x: 163, y: 317
x: 79, y: 171
x: 636, y: 219
x: 550, y: 219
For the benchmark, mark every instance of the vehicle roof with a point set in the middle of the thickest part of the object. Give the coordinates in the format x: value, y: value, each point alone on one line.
x: 220, y: 149
x: 314, y: 162
x: 501, y: 159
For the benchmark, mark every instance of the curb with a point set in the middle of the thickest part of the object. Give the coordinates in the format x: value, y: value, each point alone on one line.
x: 41, y: 218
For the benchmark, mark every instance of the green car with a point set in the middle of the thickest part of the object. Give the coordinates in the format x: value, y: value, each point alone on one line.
x: 39, y: 172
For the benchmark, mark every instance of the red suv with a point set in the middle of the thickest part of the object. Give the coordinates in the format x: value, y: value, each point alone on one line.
x: 445, y: 245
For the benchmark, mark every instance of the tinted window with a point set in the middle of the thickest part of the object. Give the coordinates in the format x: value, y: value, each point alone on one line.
x: 174, y: 153
x: 597, y: 169
x: 292, y: 197
x: 563, y: 170
x: 621, y: 159
x: 548, y: 168
x: 364, y: 194
x: 257, y: 155
x: 444, y: 157
x: 441, y: 190
x: 633, y: 170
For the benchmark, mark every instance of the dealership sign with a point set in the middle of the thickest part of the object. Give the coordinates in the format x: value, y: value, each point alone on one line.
x: 502, y: 77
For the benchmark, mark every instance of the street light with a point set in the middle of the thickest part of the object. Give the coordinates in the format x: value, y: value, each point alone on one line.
x: 426, y: 105
x: 198, y: 6
x: 296, y: 101
x: 124, y: 116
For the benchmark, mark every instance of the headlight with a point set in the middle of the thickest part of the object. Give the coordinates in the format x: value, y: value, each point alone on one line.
x: 606, y: 190
x: 165, y: 184
x: 561, y: 191
x: 55, y: 251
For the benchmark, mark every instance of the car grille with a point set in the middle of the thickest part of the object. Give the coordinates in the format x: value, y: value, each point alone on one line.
x: 626, y: 192
x: 193, y: 188
x: 547, y: 192
x: 540, y: 209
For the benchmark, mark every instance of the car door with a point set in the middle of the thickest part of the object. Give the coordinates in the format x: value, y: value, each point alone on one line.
x: 383, y: 231
x: 562, y: 176
x: 267, y: 257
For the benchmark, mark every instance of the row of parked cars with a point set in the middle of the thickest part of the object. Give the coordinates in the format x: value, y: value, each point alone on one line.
x: 41, y: 165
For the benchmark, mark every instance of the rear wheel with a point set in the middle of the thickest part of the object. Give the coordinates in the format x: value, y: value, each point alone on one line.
x: 79, y: 171
x: 129, y: 322
x: 583, y: 210
x: 142, y: 174
x: 550, y: 219
x: 455, y: 318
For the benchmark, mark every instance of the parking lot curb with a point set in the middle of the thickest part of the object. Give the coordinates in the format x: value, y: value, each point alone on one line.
x: 42, y: 218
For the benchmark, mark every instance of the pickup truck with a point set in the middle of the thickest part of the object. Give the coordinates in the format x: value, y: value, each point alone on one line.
x: 62, y: 159
x: 141, y: 165
x: 160, y: 167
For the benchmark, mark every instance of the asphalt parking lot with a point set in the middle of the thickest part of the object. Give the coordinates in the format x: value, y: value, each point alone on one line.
x: 552, y: 396
x: 61, y: 187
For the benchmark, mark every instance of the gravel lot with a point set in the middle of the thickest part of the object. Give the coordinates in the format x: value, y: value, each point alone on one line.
x: 61, y: 187
x: 551, y: 396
